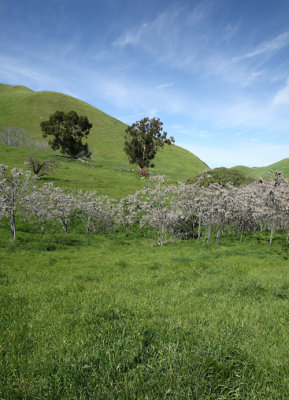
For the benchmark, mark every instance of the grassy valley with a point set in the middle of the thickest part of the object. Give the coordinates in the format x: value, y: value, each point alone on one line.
x: 110, y: 315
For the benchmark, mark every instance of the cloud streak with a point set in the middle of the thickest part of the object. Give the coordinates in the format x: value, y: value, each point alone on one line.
x: 282, y: 96
x: 268, y: 47
x: 163, y: 36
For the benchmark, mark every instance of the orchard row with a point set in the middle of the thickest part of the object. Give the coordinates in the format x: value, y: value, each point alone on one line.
x: 183, y: 211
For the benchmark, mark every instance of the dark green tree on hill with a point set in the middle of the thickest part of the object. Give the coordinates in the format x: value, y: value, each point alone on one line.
x: 68, y: 130
x: 222, y: 176
x: 142, y: 140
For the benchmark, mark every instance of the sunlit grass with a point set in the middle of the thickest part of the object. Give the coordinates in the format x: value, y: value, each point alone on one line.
x: 109, y: 316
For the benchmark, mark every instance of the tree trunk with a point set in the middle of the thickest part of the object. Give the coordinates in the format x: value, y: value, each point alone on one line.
x: 209, y: 232
x: 65, y: 225
x: 218, y: 236
x: 162, y: 234
x: 199, y: 229
x: 87, y: 226
x: 272, y: 233
x: 143, y: 171
x: 159, y: 236
x: 12, y: 225
x: 241, y: 235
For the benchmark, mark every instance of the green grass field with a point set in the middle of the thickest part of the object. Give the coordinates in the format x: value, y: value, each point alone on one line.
x: 108, y: 316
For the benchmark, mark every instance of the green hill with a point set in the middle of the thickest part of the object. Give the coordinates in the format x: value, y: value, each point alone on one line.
x: 264, y: 172
x: 22, y: 107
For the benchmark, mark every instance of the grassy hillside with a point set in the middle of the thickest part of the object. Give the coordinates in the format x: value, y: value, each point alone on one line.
x: 282, y: 165
x: 22, y: 107
x: 102, y: 177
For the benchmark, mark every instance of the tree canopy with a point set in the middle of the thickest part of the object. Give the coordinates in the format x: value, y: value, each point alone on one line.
x: 68, y: 130
x: 222, y: 176
x: 142, y: 141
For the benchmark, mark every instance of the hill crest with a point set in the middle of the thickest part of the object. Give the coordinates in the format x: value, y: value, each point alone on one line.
x: 25, y: 108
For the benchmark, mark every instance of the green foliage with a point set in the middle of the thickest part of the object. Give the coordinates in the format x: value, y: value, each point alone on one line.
x: 142, y: 141
x: 185, y: 228
x: 68, y: 130
x: 222, y: 176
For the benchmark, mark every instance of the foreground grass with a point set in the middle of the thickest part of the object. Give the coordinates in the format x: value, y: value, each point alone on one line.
x: 111, y: 317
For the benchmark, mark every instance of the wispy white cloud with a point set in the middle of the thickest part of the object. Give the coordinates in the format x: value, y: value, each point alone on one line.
x: 33, y: 76
x: 165, y: 85
x: 138, y: 97
x: 206, y: 51
x: 229, y: 70
x: 177, y: 126
x: 269, y: 47
x: 163, y: 36
x: 259, y: 115
x: 240, y: 70
x: 282, y: 96
x: 10, y: 67
x: 130, y: 37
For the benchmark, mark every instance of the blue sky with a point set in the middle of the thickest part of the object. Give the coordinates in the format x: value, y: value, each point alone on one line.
x: 216, y: 72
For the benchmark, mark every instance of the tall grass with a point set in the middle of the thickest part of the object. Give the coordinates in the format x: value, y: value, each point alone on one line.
x: 110, y: 317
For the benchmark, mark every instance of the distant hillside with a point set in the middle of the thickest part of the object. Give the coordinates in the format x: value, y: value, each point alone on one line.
x: 282, y: 165
x: 22, y: 107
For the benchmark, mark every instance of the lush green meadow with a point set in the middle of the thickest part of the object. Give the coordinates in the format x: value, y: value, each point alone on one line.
x: 108, y: 316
